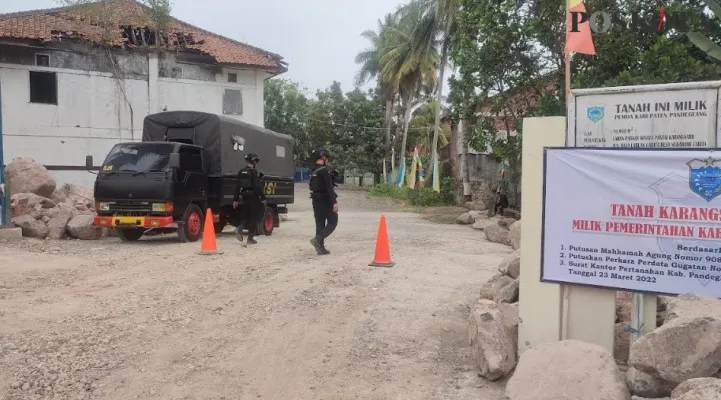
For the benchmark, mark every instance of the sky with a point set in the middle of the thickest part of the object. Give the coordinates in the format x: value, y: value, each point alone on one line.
x: 317, y: 38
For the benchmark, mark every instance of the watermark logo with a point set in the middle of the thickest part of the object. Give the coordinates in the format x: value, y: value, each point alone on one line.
x: 602, y: 22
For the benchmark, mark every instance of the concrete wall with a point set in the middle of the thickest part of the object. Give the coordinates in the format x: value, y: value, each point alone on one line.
x: 93, y: 110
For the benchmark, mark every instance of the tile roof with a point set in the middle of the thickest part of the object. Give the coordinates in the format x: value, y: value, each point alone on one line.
x: 87, y: 21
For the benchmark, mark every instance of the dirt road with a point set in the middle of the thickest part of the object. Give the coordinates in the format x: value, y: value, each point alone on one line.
x: 153, y: 320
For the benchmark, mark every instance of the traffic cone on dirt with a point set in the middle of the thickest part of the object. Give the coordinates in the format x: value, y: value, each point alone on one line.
x: 209, y: 245
x: 383, y: 251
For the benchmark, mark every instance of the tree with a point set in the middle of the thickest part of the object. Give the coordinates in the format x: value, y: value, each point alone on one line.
x: 436, y: 28
x: 286, y: 111
x: 407, y: 68
x: 370, y: 68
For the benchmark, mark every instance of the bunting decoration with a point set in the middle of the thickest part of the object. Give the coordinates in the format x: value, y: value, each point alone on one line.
x: 414, y: 163
x: 436, y: 176
x: 421, y: 173
x: 580, y: 41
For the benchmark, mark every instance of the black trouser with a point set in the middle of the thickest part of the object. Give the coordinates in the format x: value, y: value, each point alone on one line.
x: 326, y: 219
x: 252, y: 212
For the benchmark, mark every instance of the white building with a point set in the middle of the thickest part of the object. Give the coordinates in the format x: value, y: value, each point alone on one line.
x: 74, y: 82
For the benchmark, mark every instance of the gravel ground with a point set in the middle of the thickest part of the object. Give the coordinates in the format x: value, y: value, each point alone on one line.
x: 154, y: 320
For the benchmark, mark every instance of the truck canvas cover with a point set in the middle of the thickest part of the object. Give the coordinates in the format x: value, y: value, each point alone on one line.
x: 225, y: 140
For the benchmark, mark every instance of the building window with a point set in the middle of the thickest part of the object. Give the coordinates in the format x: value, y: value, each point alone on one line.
x: 232, y: 102
x: 43, y: 87
x: 233, y: 78
x: 176, y: 73
x: 42, y: 60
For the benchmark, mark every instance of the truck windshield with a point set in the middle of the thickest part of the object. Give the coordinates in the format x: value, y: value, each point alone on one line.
x: 137, y: 158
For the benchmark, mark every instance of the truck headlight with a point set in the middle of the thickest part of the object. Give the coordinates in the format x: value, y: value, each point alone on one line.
x: 162, y: 207
x: 102, y: 206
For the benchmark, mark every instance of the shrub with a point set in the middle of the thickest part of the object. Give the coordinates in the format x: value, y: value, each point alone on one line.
x: 425, y: 197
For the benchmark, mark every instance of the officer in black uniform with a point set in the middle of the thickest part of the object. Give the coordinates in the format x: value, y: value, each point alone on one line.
x: 250, y: 187
x: 325, y: 201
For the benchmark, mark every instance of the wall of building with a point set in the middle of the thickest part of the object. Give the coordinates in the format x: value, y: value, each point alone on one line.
x: 94, y: 110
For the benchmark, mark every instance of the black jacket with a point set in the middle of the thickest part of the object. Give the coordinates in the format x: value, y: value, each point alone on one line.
x: 322, y: 183
x: 255, y: 184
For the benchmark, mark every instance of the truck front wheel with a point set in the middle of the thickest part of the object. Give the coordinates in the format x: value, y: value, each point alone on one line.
x: 192, y: 227
x: 130, y: 234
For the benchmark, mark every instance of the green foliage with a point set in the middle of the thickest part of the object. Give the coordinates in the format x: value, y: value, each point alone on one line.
x: 425, y: 197
x: 349, y: 124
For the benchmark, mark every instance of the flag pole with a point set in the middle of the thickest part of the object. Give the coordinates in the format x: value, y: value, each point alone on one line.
x: 565, y: 306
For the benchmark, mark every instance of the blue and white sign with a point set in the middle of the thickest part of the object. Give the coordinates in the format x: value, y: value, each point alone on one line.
x: 639, y: 220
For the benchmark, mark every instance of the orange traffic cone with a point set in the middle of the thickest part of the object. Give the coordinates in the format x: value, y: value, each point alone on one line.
x: 383, y: 251
x: 208, y: 245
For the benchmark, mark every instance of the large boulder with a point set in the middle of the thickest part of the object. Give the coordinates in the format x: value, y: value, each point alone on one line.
x: 698, y: 389
x: 57, y: 225
x: 28, y: 203
x: 511, y: 213
x: 31, y: 227
x: 508, y: 293
x: 511, y: 265
x: 566, y: 370
x: 690, y: 306
x: 644, y: 385
x: 514, y: 234
x: 78, y: 196
x: 493, y: 333
x: 26, y: 176
x: 497, y: 234
x: 81, y: 227
x: 494, y: 285
x: 681, y: 349
x: 465, y: 218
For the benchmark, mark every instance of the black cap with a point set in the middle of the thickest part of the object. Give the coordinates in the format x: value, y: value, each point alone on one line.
x: 252, y: 158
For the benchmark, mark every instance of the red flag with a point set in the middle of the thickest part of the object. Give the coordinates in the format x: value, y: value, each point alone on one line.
x: 581, y: 41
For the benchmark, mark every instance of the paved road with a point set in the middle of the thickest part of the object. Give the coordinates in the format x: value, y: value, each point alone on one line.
x: 154, y: 320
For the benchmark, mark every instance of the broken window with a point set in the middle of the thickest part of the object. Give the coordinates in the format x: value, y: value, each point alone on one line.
x: 42, y: 60
x: 232, y: 102
x: 233, y: 78
x: 43, y: 87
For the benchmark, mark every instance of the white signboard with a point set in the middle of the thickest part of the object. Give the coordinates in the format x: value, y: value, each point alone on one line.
x: 641, y: 220
x: 649, y: 119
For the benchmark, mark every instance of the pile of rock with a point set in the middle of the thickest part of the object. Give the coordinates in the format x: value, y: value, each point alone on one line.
x: 669, y: 360
x: 42, y: 210
x: 493, y: 324
x: 503, y: 229
x: 680, y: 360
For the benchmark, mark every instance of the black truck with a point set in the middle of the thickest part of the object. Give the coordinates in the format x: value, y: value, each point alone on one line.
x: 186, y: 163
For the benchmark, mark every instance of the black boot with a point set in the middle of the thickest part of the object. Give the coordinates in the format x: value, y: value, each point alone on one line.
x: 322, y: 248
x: 317, y: 243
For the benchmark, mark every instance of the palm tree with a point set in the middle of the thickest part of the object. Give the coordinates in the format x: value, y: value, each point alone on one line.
x: 370, y: 68
x: 435, y: 28
x: 406, y: 67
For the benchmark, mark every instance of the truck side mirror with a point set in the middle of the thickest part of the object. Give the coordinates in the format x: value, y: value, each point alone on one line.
x: 88, y: 162
x: 174, y: 161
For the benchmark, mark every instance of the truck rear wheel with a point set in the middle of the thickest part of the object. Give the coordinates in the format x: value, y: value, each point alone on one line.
x: 192, y: 227
x: 266, y: 224
x: 129, y: 234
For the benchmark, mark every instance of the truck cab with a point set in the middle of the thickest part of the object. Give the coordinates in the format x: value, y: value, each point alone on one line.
x: 152, y: 185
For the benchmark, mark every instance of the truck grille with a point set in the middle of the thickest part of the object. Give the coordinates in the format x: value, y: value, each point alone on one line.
x: 130, y: 207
